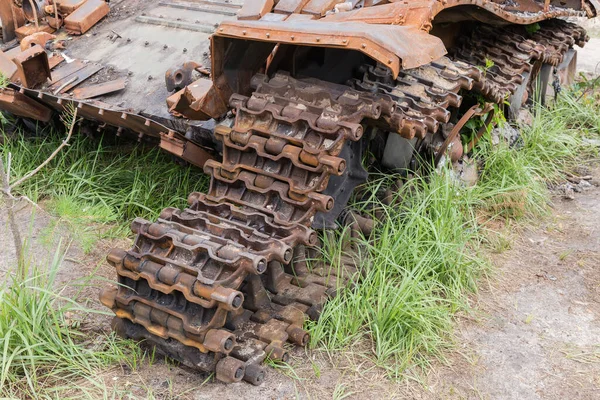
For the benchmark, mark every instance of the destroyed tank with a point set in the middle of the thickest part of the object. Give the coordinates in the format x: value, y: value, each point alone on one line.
x: 279, y: 102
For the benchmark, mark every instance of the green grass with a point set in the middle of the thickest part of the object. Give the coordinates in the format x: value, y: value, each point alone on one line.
x: 426, y: 254
x: 43, y: 353
x: 422, y: 258
x: 98, y: 187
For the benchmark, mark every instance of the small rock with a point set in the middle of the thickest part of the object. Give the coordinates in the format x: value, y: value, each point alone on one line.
x: 569, y: 191
x: 507, y: 133
x: 524, y: 117
x: 584, y: 185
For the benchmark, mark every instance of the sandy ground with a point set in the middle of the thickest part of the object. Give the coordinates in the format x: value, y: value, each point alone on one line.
x: 588, y: 57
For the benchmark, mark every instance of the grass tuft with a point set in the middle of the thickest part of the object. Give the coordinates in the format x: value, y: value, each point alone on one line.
x: 99, y: 187
x: 421, y: 259
x: 427, y: 252
x: 43, y: 354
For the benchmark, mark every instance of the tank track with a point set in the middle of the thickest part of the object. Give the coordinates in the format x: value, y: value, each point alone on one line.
x: 226, y: 282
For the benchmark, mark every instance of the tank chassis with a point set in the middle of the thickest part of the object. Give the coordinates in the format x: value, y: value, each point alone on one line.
x: 297, y: 91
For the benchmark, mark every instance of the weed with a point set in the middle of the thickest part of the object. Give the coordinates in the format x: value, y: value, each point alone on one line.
x: 563, y: 256
x: 43, y: 354
x: 99, y: 187
x: 340, y: 392
x: 425, y: 254
x: 4, y: 81
x: 588, y: 355
x: 285, y: 368
x: 417, y: 268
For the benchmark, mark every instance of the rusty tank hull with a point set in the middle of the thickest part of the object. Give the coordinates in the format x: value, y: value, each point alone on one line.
x: 277, y: 101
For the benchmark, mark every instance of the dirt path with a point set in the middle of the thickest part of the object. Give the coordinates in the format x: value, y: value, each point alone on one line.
x: 538, y: 335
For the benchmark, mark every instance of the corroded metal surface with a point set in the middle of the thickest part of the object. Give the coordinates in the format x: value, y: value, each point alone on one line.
x: 338, y: 23
x: 249, y: 231
x: 230, y: 278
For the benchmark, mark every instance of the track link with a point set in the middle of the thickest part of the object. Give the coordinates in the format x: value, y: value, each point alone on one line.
x: 229, y: 276
x: 226, y: 282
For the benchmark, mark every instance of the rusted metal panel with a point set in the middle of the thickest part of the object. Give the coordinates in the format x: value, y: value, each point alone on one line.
x: 86, y: 16
x: 54, y: 61
x: 8, y: 68
x: 7, y: 21
x: 276, y: 17
x: 23, y: 106
x: 320, y: 7
x: 66, y: 70
x: 255, y: 9
x: 23, y: 31
x: 299, y: 17
x: 99, y: 89
x: 68, y: 6
x: 33, y: 66
x: 290, y: 6
x: 393, y: 14
x: 97, y: 111
x: 391, y: 45
x: 69, y: 82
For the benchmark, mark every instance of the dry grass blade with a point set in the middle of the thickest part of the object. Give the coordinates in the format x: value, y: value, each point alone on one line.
x: 72, y: 118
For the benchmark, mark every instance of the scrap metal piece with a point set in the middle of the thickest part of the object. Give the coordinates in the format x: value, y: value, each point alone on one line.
x: 86, y: 16
x: 66, y: 84
x: 253, y: 10
x: 23, y: 106
x: 39, y: 38
x: 33, y: 66
x: 8, y: 68
x: 187, y: 150
x: 176, y: 78
x: 199, y: 100
x: 54, y: 22
x: 23, y: 31
x: 99, y: 89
